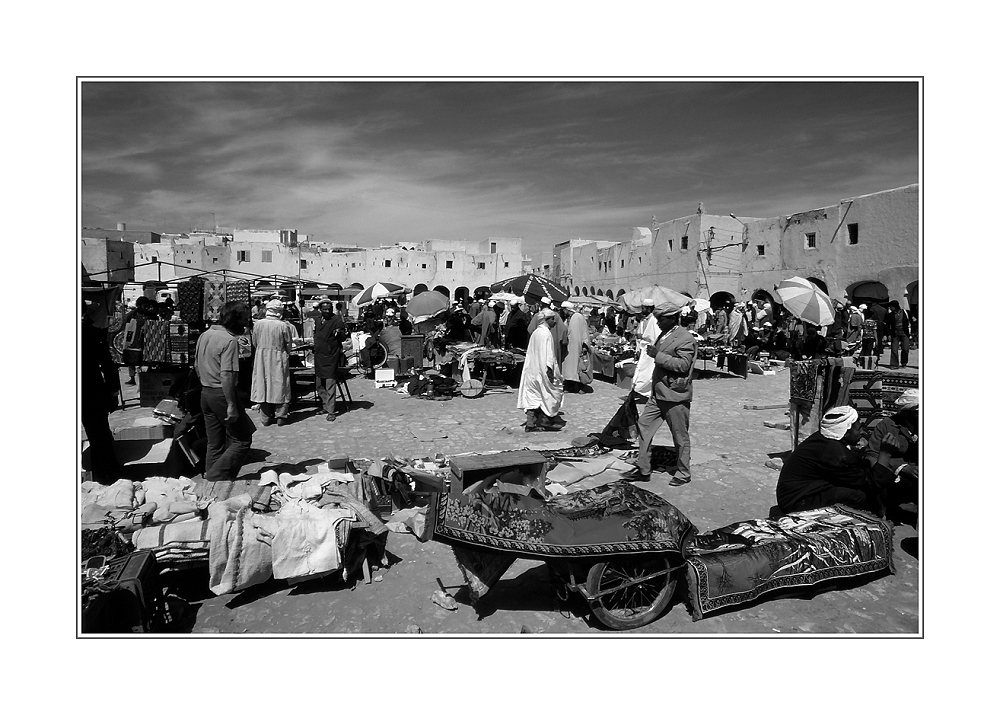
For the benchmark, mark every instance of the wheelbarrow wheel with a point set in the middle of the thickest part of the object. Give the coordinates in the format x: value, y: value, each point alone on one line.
x: 635, y: 602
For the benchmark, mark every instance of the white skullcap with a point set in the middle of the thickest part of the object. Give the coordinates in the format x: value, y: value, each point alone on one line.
x: 766, y: 325
x: 837, y: 421
x: 491, y: 304
x: 546, y: 300
x: 864, y: 306
x: 548, y: 313
x: 568, y: 304
x: 648, y: 303
x: 909, y: 399
x: 390, y: 312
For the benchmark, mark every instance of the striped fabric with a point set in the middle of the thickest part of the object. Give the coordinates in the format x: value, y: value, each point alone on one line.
x: 154, y: 341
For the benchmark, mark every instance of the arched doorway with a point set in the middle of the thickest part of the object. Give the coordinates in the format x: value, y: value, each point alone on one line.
x: 718, y: 300
x: 819, y: 283
x: 356, y: 286
x: 482, y: 292
x: 913, y: 298
x: 868, y: 292
x: 577, y: 290
x: 419, y: 288
x: 621, y: 292
x: 462, y: 294
x: 585, y: 290
x: 761, y: 294
x: 443, y: 291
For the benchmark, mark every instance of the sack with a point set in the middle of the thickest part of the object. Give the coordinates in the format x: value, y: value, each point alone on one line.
x: 586, y: 375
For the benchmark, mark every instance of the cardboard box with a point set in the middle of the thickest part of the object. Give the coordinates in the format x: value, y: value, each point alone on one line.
x: 153, y: 432
x: 413, y: 347
x: 385, y: 377
x: 480, y: 471
x: 400, y: 366
x: 155, y: 386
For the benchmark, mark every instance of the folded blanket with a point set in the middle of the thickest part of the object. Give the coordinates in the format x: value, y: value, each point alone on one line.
x: 237, y: 557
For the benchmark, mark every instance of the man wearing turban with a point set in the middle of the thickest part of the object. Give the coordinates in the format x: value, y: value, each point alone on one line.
x: 901, y: 431
x: 824, y: 469
x: 272, y: 382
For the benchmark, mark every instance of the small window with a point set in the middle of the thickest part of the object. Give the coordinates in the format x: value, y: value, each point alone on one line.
x: 153, y: 259
x: 423, y: 265
x: 852, y: 234
x: 684, y: 243
x: 670, y: 246
x: 265, y: 256
x: 242, y: 256
x: 493, y: 248
x: 640, y: 260
x: 215, y: 260
x: 448, y: 264
x: 481, y: 266
x: 623, y: 263
x: 353, y: 265
x: 387, y: 263
x: 189, y: 260
x: 302, y: 264
x: 760, y: 249
x: 591, y: 259
x: 506, y: 264
x: 810, y: 240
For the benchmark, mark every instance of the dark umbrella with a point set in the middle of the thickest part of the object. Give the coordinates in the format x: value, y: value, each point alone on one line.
x: 532, y: 288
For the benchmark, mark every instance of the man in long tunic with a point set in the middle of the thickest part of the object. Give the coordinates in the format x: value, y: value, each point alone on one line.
x: 272, y: 383
x: 516, y: 329
x: 328, y: 350
x: 486, y: 320
x: 576, y: 345
x: 540, y: 394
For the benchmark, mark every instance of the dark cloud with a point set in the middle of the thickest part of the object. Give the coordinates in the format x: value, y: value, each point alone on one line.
x: 379, y: 161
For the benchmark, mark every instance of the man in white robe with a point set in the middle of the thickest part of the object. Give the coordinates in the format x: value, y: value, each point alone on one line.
x: 540, y: 392
x: 648, y: 331
x: 576, y: 345
x: 272, y: 384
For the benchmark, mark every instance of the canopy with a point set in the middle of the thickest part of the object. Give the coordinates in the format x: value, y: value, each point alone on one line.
x: 379, y: 290
x: 532, y: 288
x: 806, y: 301
x: 871, y: 291
x: 503, y: 295
x: 661, y: 296
x: 701, y: 305
x: 427, y: 304
x: 592, y: 300
x: 309, y: 292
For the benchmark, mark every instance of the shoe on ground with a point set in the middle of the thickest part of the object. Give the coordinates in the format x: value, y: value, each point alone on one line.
x: 634, y: 475
x: 266, y: 421
x: 679, y: 481
x: 331, y: 418
x: 531, y: 429
x: 282, y: 422
x: 130, y: 381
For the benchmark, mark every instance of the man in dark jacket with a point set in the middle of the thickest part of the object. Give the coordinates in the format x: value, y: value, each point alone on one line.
x: 328, y: 351
x: 899, y: 325
x: 824, y: 470
x: 673, y: 354
x: 900, y: 431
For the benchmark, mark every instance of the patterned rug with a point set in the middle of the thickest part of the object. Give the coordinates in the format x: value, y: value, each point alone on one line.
x: 748, y: 559
x: 616, y: 518
x: 215, y: 298
x: 238, y: 290
x: 190, y: 298
x: 155, y: 341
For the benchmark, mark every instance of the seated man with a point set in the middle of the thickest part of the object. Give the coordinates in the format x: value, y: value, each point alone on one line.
x: 901, y: 429
x: 824, y: 470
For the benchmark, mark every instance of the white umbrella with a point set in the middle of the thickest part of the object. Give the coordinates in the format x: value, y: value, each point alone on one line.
x: 806, y: 301
x: 378, y: 290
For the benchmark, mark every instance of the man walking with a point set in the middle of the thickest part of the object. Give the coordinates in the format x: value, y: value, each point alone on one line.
x: 576, y: 347
x: 540, y: 393
x: 899, y: 348
x: 673, y: 354
x: 328, y: 351
x: 272, y: 381
x: 217, y: 363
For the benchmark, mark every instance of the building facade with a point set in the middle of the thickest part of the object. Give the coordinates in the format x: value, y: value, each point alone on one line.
x: 862, y: 248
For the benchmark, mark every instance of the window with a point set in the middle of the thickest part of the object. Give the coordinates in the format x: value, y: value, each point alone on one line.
x: 353, y: 265
x: 623, y: 263
x: 189, y: 260
x: 481, y: 266
x: 684, y: 243
x: 448, y: 264
x: 852, y: 234
x: 493, y: 248
x: 670, y: 246
x: 302, y: 263
x: 153, y: 259
x: 506, y: 264
x: 215, y: 260
x: 640, y: 260
x: 242, y: 256
x: 760, y: 249
x: 423, y: 265
x: 810, y: 240
x: 265, y: 256
x: 387, y: 263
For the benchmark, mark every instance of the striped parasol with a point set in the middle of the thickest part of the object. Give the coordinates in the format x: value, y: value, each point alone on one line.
x: 532, y: 288
x: 378, y: 290
x: 806, y: 301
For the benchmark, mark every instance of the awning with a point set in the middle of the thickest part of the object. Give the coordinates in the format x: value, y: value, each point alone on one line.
x: 872, y: 291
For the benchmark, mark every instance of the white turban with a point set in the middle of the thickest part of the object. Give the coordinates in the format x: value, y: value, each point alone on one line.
x: 909, y: 398
x: 546, y: 300
x: 274, y: 309
x: 491, y: 304
x: 568, y: 305
x: 837, y: 421
x: 548, y: 313
x: 648, y: 303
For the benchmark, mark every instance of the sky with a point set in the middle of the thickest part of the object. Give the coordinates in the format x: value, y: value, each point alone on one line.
x: 372, y: 163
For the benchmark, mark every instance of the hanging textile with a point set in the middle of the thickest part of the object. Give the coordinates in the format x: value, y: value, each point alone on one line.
x: 215, y: 298
x: 155, y: 340
x: 190, y: 297
x: 238, y: 290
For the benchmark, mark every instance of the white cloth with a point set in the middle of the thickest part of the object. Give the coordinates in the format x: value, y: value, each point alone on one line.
x: 272, y: 381
x: 303, y: 539
x: 642, y: 378
x: 578, y: 335
x: 838, y: 421
x: 536, y: 390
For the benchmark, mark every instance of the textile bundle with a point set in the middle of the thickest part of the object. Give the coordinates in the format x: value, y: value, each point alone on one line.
x: 238, y: 290
x: 799, y: 550
x: 191, y: 297
x: 215, y: 298
x: 154, y: 341
x: 829, y: 381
